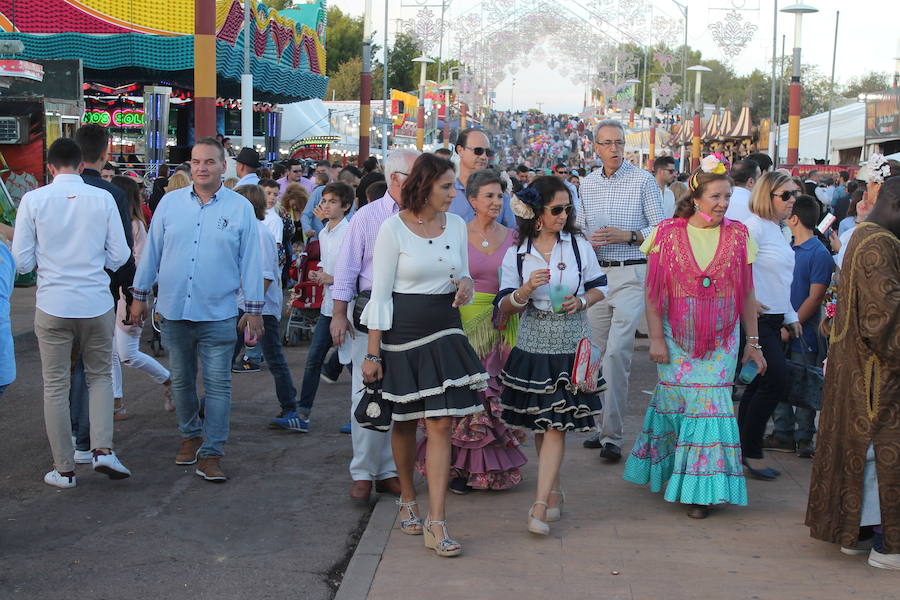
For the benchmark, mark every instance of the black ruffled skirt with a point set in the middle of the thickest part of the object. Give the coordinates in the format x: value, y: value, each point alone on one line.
x: 537, y: 392
x: 430, y: 369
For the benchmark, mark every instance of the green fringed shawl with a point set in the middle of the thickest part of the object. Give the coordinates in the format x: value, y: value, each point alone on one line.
x: 477, y: 320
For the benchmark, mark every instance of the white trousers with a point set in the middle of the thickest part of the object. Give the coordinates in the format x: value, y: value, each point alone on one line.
x: 126, y: 351
x: 373, y: 458
x: 614, y: 321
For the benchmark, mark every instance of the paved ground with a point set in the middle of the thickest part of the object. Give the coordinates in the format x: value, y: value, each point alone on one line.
x: 281, y: 528
x: 618, y: 541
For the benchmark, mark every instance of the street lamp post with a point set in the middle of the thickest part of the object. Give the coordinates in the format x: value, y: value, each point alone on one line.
x: 651, y: 156
x: 793, y: 150
x: 420, y: 117
x: 446, y: 89
x: 698, y: 109
x: 365, y: 88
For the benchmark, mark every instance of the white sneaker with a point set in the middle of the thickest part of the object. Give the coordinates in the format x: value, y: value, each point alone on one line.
x: 884, y: 561
x: 61, y: 481
x: 83, y: 457
x: 109, y: 465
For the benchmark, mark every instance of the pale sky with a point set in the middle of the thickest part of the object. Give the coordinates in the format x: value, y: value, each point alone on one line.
x: 867, y: 41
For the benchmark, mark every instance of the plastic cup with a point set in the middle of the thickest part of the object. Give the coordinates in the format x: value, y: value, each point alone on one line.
x: 748, y: 372
x: 558, y: 295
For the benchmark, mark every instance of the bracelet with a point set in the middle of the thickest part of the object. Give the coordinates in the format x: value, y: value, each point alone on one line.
x: 753, y: 337
x: 584, y: 303
x: 757, y: 346
x: 514, y: 301
x: 374, y: 359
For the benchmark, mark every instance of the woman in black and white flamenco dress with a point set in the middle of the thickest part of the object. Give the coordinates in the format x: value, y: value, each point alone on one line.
x: 417, y: 346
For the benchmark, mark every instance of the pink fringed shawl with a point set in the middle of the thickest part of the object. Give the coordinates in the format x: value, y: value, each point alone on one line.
x: 702, y: 305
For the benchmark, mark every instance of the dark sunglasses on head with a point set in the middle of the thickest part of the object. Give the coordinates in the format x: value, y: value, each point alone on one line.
x: 478, y: 150
x: 785, y: 196
x: 557, y: 210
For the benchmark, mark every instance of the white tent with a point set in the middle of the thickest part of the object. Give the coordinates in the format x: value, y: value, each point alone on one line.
x: 847, y: 128
x: 302, y: 120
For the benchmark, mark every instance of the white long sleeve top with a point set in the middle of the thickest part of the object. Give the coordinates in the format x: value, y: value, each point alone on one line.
x: 407, y: 263
x: 773, y: 270
x: 562, y: 265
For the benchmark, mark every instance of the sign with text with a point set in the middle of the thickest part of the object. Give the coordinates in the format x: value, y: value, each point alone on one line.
x: 883, y: 115
x: 129, y: 118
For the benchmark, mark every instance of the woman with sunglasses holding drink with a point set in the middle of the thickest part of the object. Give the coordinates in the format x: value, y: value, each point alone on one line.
x: 551, y: 277
x: 770, y: 203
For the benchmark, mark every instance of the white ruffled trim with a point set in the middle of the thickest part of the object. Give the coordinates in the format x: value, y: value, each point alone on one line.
x: 477, y: 382
x: 548, y: 385
x: 443, y: 412
x: 378, y: 315
x: 421, y: 341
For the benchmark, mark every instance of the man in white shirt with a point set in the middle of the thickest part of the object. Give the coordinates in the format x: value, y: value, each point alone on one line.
x: 745, y: 173
x: 665, y: 173
x: 71, y: 231
x: 247, y: 165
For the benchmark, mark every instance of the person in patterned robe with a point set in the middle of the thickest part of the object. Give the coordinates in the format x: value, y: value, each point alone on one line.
x: 855, y: 486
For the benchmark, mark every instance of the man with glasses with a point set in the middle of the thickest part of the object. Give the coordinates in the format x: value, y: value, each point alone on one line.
x: 620, y: 204
x: 474, y: 150
x: 294, y: 174
x: 665, y: 173
x: 562, y: 171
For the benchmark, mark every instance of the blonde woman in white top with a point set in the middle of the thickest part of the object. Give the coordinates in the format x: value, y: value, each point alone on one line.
x: 417, y: 346
x: 771, y: 202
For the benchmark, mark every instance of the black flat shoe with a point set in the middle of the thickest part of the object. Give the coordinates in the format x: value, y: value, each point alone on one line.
x: 698, y: 511
x: 460, y: 485
x: 592, y: 442
x: 611, y: 452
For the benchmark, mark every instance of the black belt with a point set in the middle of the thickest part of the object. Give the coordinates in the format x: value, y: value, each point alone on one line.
x: 623, y: 263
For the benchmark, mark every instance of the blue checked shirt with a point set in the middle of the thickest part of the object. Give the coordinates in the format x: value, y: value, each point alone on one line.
x: 629, y: 200
x: 201, y: 255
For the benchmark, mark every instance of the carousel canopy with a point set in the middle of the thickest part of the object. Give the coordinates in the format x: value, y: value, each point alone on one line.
x: 744, y: 127
x: 152, y: 42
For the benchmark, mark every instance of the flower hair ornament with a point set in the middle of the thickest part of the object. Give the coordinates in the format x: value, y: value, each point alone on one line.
x: 879, y: 169
x: 715, y: 163
x: 526, y: 203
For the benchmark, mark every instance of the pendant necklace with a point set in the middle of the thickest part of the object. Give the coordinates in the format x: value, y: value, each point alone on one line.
x: 485, y: 243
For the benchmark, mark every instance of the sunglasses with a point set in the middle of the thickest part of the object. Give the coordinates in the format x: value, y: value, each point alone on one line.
x: 557, y: 210
x: 562, y: 172
x: 478, y: 150
x: 785, y: 196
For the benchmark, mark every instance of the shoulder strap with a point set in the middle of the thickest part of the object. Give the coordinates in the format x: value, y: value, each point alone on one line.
x: 519, y: 258
x: 577, y: 260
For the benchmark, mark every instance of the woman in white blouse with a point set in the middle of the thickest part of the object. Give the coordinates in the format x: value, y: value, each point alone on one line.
x: 552, y: 277
x: 417, y: 347
x: 770, y: 203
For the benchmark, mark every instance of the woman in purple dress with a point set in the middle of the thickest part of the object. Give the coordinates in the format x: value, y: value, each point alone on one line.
x: 485, y: 453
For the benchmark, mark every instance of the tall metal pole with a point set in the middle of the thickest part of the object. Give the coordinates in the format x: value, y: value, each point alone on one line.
x: 684, y: 85
x: 793, y: 151
x: 365, y: 88
x: 772, y: 117
x: 384, y: 90
x: 837, y: 20
x: 247, y: 82
x: 780, y: 103
x: 204, y: 68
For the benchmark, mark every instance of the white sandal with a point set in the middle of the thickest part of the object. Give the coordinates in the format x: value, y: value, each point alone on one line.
x: 535, y: 525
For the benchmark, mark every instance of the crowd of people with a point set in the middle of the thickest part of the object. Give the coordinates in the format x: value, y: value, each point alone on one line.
x: 475, y: 305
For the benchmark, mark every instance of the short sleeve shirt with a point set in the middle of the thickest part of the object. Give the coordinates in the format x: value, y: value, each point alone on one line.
x: 812, y: 264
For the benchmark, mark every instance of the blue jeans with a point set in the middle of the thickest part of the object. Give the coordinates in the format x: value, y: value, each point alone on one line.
x: 278, y: 367
x: 315, y: 363
x: 79, y: 408
x: 786, y: 417
x: 213, y: 343
x: 3, y: 389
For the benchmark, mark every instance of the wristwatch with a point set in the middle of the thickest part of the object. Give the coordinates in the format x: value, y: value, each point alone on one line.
x: 634, y: 238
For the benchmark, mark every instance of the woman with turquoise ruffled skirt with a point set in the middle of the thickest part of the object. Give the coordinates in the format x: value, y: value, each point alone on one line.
x: 699, y: 283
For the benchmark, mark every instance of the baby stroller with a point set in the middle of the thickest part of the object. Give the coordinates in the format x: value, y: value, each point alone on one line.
x: 306, y: 297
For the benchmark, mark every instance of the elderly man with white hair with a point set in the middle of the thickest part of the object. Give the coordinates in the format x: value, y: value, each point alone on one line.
x: 620, y: 203
x: 372, y: 456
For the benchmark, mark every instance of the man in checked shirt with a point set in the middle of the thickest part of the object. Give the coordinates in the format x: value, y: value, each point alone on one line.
x: 620, y: 204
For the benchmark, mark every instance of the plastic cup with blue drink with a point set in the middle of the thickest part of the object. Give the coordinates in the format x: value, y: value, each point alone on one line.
x: 748, y: 372
x: 558, y: 295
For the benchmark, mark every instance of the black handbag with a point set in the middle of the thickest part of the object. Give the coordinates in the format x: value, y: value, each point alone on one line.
x: 362, y: 298
x: 807, y: 381
x: 373, y: 411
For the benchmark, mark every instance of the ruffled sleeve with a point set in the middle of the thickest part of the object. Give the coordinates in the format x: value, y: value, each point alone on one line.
x: 648, y: 245
x: 379, y: 311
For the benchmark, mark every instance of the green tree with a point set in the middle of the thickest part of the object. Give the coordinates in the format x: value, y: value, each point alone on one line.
x: 401, y: 73
x: 343, y: 84
x: 278, y: 4
x: 343, y: 38
x: 867, y: 83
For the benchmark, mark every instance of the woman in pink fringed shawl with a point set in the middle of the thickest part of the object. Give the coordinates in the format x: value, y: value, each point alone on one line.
x: 699, y: 283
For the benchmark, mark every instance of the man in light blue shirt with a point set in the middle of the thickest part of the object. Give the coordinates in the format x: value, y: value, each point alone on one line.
x: 203, y: 246
x: 474, y: 150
